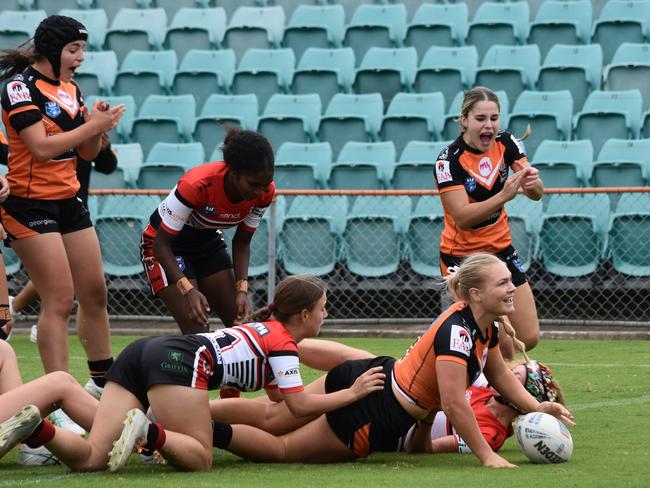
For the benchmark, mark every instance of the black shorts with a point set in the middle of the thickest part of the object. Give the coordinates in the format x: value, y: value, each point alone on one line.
x: 508, y: 255
x: 23, y: 217
x: 376, y: 423
x: 173, y: 360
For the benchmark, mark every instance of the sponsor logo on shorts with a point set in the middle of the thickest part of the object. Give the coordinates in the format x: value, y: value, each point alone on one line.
x: 52, y: 110
x: 38, y: 223
x: 18, y: 92
x: 174, y: 367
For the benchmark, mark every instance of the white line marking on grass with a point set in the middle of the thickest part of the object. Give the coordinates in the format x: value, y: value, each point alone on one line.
x: 44, y: 479
x: 611, y: 403
x: 601, y: 365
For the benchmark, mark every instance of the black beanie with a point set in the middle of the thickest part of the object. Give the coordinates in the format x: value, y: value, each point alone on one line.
x: 53, y: 33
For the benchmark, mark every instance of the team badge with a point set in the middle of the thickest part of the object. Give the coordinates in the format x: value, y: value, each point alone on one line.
x: 443, y: 173
x: 18, y: 92
x: 181, y: 263
x: 52, y: 109
x: 470, y: 184
x: 460, y: 340
x: 209, y: 210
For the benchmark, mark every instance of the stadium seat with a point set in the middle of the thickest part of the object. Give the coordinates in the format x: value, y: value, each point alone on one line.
x: 524, y: 218
x: 375, y: 26
x: 447, y: 70
x: 423, y: 235
x: 548, y: 114
x: 202, y: 73
x: 574, y: 68
x: 96, y: 76
x: 11, y: 261
x: 196, y: 28
x: 621, y: 162
x: 171, y: 7
x: 264, y: 72
x: 363, y: 166
x: 413, y: 117
x: 302, y: 166
x: 498, y: 23
x: 18, y: 26
x: 451, y: 127
x: 112, y: 7
x: 142, y: 29
x: 386, y: 71
x: 621, y: 21
x: 311, y: 234
x: 290, y: 118
x: 374, y: 236
x: 164, y: 119
x: 609, y: 114
x: 629, y: 235
x: 560, y: 22
x: 254, y: 27
x: 114, y: 181
x: 129, y: 158
x: 221, y: 111
x: 563, y: 164
x: 95, y: 21
x: 123, y: 131
x: 629, y: 70
x: 351, y: 118
x: 324, y: 71
x: 415, y: 168
x: 145, y: 73
x: 119, y: 240
x: 318, y: 26
x: 119, y: 204
x: 509, y: 68
x: 572, y: 236
x: 437, y: 25
x: 187, y: 155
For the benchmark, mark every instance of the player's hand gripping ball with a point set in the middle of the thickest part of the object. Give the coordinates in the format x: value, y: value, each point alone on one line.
x: 543, y: 438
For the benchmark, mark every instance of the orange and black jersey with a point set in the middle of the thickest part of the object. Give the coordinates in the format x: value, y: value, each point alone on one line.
x: 29, y: 98
x: 481, y: 176
x: 453, y: 336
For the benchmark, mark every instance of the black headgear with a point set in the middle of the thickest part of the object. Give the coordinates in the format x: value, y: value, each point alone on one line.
x: 53, y: 33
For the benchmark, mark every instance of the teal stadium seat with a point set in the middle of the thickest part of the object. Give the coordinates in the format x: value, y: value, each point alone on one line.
x: 363, y: 166
x: 145, y: 73
x: 621, y: 21
x: 141, y: 205
x: 447, y: 70
x: 114, y: 181
x: 621, y: 162
x: 415, y: 168
x: 324, y: 71
x: 451, y: 127
x: 413, y: 117
x: 318, y: 26
x: 20, y: 4
x: 122, y: 132
x: 561, y: 22
x: 96, y: 76
x: 311, y: 234
x: 375, y: 26
x: 55, y: 7
x: 204, y: 72
x: 351, y: 118
x: 142, y: 29
x: 302, y: 166
x: 498, y: 24
x: 171, y: 7
x: 374, y: 236
x: 572, y: 236
x: 437, y: 25
x: 18, y: 26
x: 231, y: 6
x: 196, y: 28
x: 629, y: 235
x: 119, y: 240
x: 290, y: 118
x: 564, y: 164
x: 221, y: 111
x: 630, y: 69
x: 264, y: 72
x: 574, y: 68
x: 423, y: 235
x: 112, y: 7
x: 548, y: 113
x: 96, y: 23
x: 164, y: 119
x: 129, y: 158
x: 524, y: 219
x: 386, y: 71
x: 166, y: 163
x: 11, y: 261
x: 254, y: 27
x: 609, y: 114
x: 509, y: 68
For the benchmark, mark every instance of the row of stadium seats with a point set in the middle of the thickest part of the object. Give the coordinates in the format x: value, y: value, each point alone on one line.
x: 370, y: 25
x: 372, y: 236
x: 409, y: 116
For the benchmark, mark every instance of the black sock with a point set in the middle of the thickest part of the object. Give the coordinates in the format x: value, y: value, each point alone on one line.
x: 156, y: 437
x: 221, y: 434
x: 98, y: 369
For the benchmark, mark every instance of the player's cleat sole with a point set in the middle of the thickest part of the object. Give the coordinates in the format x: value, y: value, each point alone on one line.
x: 36, y: 456
x: 134, y: 432
x: 18, y: 427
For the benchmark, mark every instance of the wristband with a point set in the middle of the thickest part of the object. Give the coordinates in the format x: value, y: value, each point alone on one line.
x: 184, y: 285
x: 241, y: 286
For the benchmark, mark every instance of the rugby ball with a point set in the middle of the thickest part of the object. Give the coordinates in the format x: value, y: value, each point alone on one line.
x: 543, y: 438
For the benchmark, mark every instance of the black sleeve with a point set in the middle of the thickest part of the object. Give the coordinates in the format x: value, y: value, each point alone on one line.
x: 4, y: 153
x: 106, y: 161
x: 514, y: 152
x: 453, y: 340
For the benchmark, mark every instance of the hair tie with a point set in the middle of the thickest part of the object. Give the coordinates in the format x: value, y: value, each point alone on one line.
x: 272, y: 308
x: 452, y: 270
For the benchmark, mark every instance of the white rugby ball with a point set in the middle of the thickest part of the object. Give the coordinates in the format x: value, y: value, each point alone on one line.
x: 543, y: 438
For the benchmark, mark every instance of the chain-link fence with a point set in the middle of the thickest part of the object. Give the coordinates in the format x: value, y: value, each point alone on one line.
x: 587, y: 253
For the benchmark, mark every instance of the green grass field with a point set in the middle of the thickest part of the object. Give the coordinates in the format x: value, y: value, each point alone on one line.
x: 607, y: 386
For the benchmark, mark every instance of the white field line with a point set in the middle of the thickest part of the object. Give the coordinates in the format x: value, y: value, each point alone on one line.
x: 610, y: 403
x: 37, y: 480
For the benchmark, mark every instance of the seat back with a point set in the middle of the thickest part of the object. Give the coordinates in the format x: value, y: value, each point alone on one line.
x: 186, y: 154
x: 96, y: 23
x: 329, y: 17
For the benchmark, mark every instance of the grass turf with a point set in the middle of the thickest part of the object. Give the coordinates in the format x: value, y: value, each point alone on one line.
x: 606, y: 383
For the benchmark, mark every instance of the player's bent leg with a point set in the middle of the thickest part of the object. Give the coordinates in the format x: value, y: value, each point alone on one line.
x: 324, y: 355
x: 219, y: 290
x: 524, y: 318
x: 9, y: 373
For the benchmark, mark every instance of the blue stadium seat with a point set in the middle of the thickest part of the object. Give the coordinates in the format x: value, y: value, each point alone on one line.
x: 363, y: 166
x: 171, y: 7
x: 196, y: 28
x: 18, y: 26
x: 97, y: 73
x: 564, y: 164
x: 185, y: 155
x: 254, y: 27
x: 621, y: 162
x: 628, y: 236
x: 142, y: 29
x: 574, y: 68
x: 324, y: 71
x: 561, y: 22
x: 437, y: 25
x: 499, y: 23
x: 630, y: 69
x: 129, y: 158
x: 423, y: 235
x: 145, y: 73
x: 11, y: 261
x: 414, y: 170
x: 318, y: 26
x: 621, y: 21
x: 112, y: 7
x: 113, y: 181
x: 119, y: 240
x: 447, y: 70
x: 203, y: 73
x: 123, y: 131
x: 290, y: 118
x: 302, y: 166
x: 95, y: 21
x: 524, y: 219
x: 413, y: 117
x: 451, y: 128
x: 386, y: 71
